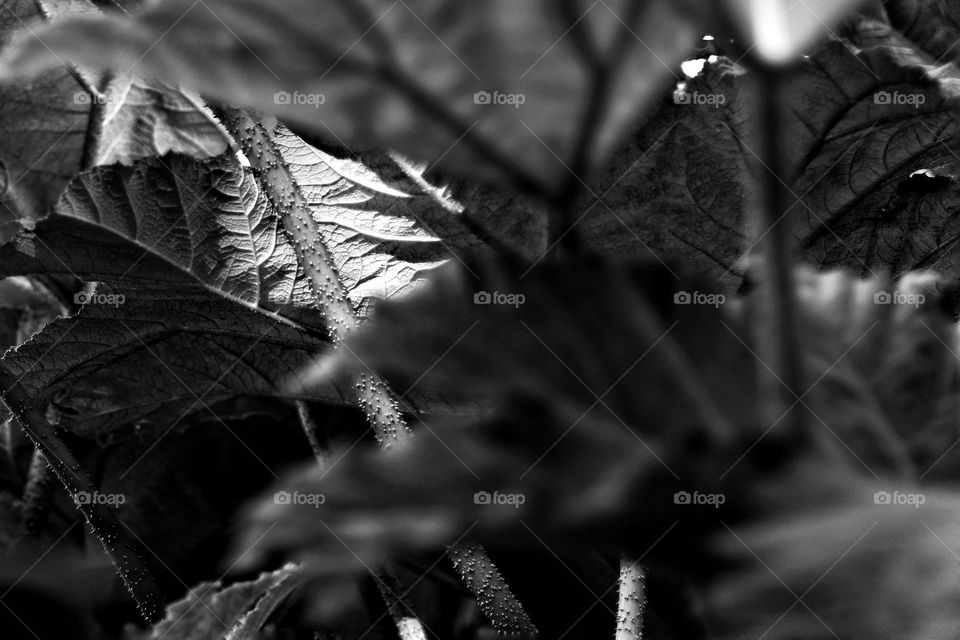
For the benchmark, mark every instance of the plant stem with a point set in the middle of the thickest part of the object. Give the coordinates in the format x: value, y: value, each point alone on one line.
x: 404, y: 618
x: 494, y: 597
x: 374, y: 397
x: 36, y: 497
x: 779, y: 339
x: 632, y: 601
x: 127, y: 554
x: 310, y: 430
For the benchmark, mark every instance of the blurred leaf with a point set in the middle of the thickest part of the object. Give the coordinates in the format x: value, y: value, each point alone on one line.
x: 844, y: 567
x: 400, y: 76
x: 42, y: 134
x: 594, y: 430
x: 600, y: 396
x: 211, y: 611
x: 53, y: 127
x: 934, y: 25
x: 780, y: 30
x: 889, y: 353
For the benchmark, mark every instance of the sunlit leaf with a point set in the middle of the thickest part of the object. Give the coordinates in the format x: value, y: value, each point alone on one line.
x: 426, y: 79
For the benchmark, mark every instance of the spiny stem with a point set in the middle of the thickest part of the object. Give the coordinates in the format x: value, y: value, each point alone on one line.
x: 392, y: 592
x: 374, y: 397
x: 494, y: 597
x: 632, y: 601
x: 127, y: 554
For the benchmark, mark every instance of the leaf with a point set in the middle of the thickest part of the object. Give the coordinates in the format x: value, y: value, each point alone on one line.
x: 173, y: 233
x: 858, y: 569
x: 551, y: 464
x: 890, y: 348
x: 175, y: 500
x: 870, y: 137
x: 145, y: 119
x: 679, y: 185
x: 54, y: 127
x: 43, y: 131
x: 542, y: 365
x: 211, y: 610
x: 136, y: 359
x: 400, y: 76
x: 375, y: 225
x: 932, y: 24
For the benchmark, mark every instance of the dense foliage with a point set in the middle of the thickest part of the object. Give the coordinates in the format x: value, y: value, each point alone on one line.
x: 527, y: 318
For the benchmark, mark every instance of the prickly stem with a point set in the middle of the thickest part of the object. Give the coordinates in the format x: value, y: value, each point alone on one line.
x: 374, y: 397
x: 632, y: 601
x: 129, y: 557
x: 494, y: 597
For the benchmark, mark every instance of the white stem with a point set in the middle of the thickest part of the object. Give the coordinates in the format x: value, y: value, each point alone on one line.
x: 632, y: 601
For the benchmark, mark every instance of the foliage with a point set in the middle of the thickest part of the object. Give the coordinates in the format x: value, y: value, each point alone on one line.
x: 476, y: 319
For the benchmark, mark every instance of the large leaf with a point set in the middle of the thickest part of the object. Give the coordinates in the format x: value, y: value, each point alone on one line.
x: 55, y: 126
x: 871, y: 138
x: 172, y: 234
x: 211, y: 611
x: 591, y: 419
x: 43, y: 131
x: 143, y: 119
x: 398, y: 75
x: 678, y: 187
x: 135, y: 359
x: 596, y: 399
